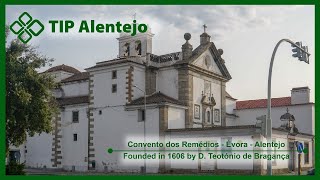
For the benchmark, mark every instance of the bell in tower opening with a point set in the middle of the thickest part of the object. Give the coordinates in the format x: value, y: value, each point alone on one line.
x: 138, y: 45
x: 126, y: 49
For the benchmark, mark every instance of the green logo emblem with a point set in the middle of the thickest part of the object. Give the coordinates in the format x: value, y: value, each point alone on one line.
x: 26, y: 27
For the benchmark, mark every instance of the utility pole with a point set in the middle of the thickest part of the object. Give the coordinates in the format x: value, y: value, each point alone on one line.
x: 144, y: 125
x: 301, y: 52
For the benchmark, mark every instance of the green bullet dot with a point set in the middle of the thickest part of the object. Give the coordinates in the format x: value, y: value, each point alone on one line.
x: 110, y: 150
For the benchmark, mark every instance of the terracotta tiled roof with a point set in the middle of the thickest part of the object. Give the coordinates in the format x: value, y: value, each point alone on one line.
x: 156, y: 98
x: 73, y: 100
x: 77, y: 77
x: 262, y: 103
x: 63, y: 68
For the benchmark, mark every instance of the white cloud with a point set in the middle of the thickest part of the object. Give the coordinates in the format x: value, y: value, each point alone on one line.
x: 219, y: 19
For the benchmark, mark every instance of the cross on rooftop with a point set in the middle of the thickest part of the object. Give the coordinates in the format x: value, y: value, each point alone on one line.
x: 134, y: 16
x: 204, y: 27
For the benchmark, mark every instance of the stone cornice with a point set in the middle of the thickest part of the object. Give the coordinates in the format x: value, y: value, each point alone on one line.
x: 201, y: 71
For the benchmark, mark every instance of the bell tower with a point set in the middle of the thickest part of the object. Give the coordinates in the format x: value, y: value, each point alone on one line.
x: 133, y: 46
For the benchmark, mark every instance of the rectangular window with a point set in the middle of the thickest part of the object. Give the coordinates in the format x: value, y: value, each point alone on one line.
x: 306, y: 154
x: 114, y: 74
x: 216, y: 115
x: 141, y: 115
x: 114, y: 88
x: 75, y: 116
x: 75, y: 137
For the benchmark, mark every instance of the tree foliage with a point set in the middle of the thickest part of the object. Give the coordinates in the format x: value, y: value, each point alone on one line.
x: 14, y: 168
x: 30, y: 104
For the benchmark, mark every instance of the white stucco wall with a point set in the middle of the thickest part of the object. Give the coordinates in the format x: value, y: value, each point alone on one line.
x: 231, y: 121
x: 230, y: 105
x: 76, y: 88
x: 102, y: 90
x: 304, y: 115
x: 115, y: 125
x: 167, y: 82
x: 300, y: 96
x: 74, y: 153
x: 138, y: 80
x: 112, y: 129
x: 39, y: 151
x: 176, y: 118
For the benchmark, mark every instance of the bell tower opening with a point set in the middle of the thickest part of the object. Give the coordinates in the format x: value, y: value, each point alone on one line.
x: 138, y: 45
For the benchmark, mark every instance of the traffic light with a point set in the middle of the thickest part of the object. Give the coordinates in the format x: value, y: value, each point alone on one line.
x: 262, y: 123
x: 302, y: 55
x: 296, y: 51
x: 305, y: 56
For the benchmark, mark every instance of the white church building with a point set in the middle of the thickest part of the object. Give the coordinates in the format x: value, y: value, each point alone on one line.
x: 186, y: 97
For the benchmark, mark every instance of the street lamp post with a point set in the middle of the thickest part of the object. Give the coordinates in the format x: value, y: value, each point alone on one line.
x: 303, y: 55
x: 144, y: 125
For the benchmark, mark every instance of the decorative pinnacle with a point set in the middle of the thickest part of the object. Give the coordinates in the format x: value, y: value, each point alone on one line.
x: 187, y: 36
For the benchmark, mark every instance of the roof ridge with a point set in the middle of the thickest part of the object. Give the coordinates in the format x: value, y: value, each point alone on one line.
x: 63, y: 67
x: 155, y: 98
x: 264, y: 99
x: 76, y: 77
x: 262, y: 103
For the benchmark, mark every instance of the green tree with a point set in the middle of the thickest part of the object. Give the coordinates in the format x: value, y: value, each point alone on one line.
x: 30, y: 105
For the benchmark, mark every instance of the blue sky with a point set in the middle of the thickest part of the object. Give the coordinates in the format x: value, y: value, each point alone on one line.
x: 247, y: 34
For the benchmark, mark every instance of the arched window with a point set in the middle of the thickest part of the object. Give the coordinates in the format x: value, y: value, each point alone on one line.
x: 127, y: 49
x: 138, y: 47
x: 208, y: 116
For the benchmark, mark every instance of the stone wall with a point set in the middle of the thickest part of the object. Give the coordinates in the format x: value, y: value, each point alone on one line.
x: 56, y: 142
x: 151, y: 80
x: 163, y: 126
x: 91, y: 150
x: 185, y: 85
